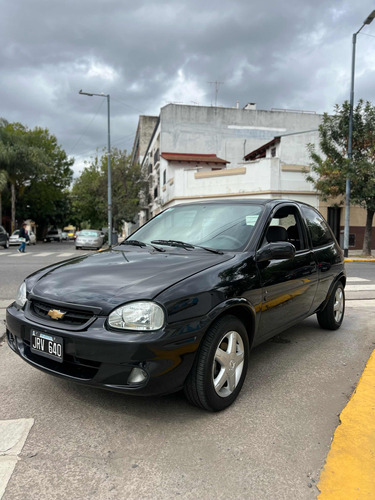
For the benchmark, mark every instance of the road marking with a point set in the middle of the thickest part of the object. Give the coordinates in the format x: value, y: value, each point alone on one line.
x: 43, y: 254
x: 357, y: 280
x: 359, y: 288
x: 356, y: 303
x: 13, y: 435
x: 350, y: 465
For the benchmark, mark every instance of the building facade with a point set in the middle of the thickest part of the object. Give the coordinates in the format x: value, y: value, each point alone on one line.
x: 201, y: 152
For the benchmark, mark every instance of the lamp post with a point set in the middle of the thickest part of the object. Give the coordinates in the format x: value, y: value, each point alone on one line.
x: 109, y: 164
x: 368, y: 20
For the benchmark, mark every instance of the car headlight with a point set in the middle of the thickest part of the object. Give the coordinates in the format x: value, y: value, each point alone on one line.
x: 21, y: 295
x: 139, y: 316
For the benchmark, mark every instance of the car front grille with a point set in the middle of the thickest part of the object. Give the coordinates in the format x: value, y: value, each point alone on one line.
x: 71, y: 317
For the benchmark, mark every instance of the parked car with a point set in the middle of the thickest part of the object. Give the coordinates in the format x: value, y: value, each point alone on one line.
x: 89, y: 238
x: 53, y: 235
x: 180, y: 303
x: 14, y: 239
x: 4, y: 238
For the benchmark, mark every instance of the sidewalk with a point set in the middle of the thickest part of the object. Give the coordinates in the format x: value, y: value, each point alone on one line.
x: 355, y: 256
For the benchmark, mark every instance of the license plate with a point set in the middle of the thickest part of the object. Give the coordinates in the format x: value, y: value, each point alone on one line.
x: 47, y: 345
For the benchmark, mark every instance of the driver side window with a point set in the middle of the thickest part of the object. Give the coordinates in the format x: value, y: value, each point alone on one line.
x: 286, y: 225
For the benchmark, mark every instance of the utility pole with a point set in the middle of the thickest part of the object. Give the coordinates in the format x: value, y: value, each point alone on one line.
x: 109, y: 195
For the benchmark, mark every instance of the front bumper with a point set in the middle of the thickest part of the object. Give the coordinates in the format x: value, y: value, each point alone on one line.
x: 102, y: 358
x: 91, y: 244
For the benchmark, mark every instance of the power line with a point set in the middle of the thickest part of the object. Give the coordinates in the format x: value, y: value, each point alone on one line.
x: 88, y: 126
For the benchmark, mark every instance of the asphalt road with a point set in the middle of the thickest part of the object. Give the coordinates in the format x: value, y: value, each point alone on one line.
x: 271, y: 444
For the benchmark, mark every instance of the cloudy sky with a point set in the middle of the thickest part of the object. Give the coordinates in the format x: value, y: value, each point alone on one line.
x: 294, y: 54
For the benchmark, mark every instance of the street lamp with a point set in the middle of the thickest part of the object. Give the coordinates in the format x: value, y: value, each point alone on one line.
x: 368, y: 20
x: 109, y: 165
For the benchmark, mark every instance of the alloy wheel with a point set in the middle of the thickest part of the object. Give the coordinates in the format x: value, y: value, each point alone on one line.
x: 338, y: 306
x: 228, y: 364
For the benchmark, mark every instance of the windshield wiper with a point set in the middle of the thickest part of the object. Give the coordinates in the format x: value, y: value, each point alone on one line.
x: 137, y: 243
x: 183, y: 244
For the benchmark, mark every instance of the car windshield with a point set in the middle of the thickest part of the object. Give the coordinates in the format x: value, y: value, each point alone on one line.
x: 16, y: 233
x: 218, y: 226
x: 94, y: 234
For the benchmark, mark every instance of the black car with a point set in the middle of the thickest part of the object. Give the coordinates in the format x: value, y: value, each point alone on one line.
x: 180, y: 303
x: 4, y: 238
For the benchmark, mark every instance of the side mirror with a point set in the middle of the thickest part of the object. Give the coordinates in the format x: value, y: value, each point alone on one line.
x: 276, y: 251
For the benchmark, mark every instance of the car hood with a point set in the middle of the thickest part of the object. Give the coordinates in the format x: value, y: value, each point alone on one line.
x: 110, y: 278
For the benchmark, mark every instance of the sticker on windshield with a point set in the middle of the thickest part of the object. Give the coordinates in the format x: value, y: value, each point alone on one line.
x: 251, y: 220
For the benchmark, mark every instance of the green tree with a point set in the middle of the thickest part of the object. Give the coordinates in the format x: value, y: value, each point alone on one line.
x: 332, y: 166
x: 20, y: 157
x: 90, y: 192
x: 38, y: 171
x: 89, y: 199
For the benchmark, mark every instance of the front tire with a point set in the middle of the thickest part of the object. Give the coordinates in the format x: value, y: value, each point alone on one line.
x: 220, y: 366
x: 332, y: 315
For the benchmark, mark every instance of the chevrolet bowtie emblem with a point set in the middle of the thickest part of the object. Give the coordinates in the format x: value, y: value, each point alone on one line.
x: 55, y: 314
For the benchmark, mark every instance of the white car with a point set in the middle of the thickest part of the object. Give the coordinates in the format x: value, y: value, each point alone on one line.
x: 14, y: 238
x: 89, y: 238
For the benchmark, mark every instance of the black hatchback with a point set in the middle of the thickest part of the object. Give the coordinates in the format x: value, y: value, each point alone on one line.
x: 181, y: 302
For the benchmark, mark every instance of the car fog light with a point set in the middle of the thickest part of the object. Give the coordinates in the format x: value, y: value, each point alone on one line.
x: 137, y: 375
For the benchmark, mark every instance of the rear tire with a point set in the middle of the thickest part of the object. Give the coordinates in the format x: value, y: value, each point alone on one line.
x: 332, y: 315
x: 220, y: 366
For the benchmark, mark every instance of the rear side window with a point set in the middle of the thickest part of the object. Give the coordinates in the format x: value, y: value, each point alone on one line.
x: 319, y: 230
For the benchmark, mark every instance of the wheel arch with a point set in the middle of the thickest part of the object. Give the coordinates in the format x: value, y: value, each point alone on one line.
x: 340, y: 278
x: 241, y: 310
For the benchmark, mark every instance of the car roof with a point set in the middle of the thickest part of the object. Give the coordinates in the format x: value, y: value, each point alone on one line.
x: 253, y: 201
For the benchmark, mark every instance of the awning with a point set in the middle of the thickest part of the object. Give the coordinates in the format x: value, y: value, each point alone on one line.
x: 193, y: 158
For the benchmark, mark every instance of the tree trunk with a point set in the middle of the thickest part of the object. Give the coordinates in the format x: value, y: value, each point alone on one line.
x: 368, y: 231
x: 13, y: 218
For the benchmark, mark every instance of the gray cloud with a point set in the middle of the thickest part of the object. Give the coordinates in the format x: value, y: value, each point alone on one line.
x: 291, y: 54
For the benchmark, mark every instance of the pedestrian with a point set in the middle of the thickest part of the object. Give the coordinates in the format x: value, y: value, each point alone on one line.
x: 23, y: 237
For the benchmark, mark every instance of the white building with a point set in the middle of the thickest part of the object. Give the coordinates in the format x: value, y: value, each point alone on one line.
x: 198, y: 152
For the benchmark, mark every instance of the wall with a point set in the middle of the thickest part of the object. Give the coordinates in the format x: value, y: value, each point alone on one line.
x: 228, y: 133
x: 259, y: 179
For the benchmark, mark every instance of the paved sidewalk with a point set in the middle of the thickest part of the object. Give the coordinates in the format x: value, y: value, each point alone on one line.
x: 355, y: 256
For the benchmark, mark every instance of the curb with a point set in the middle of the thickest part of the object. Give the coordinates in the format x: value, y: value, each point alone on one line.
x: 359, y: 259
x: 350, y: 463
